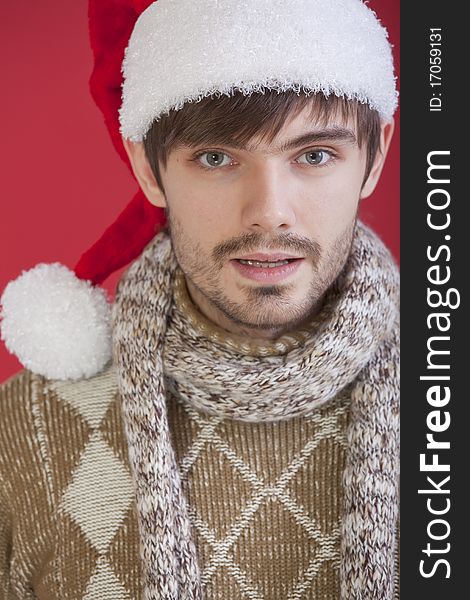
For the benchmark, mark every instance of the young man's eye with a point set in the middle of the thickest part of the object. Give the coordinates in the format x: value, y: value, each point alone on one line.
x: 315, y: 158
x: 213, y: 159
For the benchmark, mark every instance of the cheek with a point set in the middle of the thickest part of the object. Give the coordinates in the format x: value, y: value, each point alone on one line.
x: 198, y: 200
x: 202, y: 222
x: 328, y: 208
x: 341, y: 194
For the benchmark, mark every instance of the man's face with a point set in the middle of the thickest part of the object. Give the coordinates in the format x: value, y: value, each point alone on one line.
x: 262, y: 232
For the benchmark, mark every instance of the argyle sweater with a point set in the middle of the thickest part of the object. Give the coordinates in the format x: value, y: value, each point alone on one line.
x: 265, y: 502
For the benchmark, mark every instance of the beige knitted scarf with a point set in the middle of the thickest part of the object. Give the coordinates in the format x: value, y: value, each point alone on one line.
x: 354, y: 344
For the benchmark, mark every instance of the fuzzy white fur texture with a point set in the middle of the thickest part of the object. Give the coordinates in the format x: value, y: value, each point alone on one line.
x: 187, y: 50
x: 56, y: 324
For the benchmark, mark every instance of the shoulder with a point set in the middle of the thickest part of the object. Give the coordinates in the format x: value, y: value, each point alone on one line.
x: 87, y: 396
x: 42, y: 418
x: 21, y: 387
x: 25, y: 389
x: 15, y: 398
x: 20, y: 458
x: 17, y: 383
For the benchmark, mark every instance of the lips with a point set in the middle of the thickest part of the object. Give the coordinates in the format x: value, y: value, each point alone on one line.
x: 264, y: 264
x: 264, y: 257
x: 266, y: 268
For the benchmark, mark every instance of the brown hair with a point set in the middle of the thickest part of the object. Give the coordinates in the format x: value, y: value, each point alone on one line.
x: 225, y: 119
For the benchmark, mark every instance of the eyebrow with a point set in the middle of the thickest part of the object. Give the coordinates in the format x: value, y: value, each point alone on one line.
x: 331, y: 134
x: 334, y: 134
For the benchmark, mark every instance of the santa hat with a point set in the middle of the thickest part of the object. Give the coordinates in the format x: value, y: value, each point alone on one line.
x: 151, y: 58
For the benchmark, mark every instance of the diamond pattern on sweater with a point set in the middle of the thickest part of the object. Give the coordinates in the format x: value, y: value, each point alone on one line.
x: 104, y: 584
x: 97, y: 501
x: 100, y: 493
x: 111, y: 428
x: 91, y: 397
x: 326, y: 510
x: 270, y: 537
x: 123, y: 553
x: 254, y: 490
x: 80, y: 558
x: 203, y: 477
x: 320, y: 582
x: 243, y: 459
x: 188, y: 440
x: 63, y: 419
x: 224, y: 585
x: 287, y: 550
x: 271, y: 463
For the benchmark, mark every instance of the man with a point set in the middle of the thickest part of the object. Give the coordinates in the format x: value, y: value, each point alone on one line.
x: 255, y: 339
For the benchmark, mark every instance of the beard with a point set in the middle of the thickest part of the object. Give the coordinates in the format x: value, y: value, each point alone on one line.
x: 270, y: 308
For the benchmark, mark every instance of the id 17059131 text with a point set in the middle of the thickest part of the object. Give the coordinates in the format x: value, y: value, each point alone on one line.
x: 435, y: 69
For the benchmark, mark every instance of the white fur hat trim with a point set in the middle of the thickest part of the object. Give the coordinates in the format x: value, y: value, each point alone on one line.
x: 58, y: 325
x: 184, y: 50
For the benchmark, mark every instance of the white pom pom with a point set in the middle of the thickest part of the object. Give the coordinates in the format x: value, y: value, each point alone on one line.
x: 58, y: 325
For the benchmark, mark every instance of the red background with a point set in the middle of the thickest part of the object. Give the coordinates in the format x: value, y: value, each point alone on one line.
x: 62, y: 181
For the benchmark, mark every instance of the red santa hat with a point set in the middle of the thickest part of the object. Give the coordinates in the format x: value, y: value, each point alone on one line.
x: 58, y: 322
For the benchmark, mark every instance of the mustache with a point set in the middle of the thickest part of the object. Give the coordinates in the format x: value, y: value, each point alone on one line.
x: 250, y: 242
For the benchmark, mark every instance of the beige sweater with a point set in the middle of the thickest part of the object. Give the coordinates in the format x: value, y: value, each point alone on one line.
x: 265, y: 498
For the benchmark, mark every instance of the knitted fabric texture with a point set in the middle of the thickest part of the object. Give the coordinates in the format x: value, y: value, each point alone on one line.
x: 68, y: 524
x: 356, y: 344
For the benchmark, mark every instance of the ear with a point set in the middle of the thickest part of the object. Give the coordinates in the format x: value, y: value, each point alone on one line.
x: 374, y: 175
x: 143, y: 172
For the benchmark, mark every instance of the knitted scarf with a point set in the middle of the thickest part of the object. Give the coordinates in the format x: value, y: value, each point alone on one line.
x: 354, y: 343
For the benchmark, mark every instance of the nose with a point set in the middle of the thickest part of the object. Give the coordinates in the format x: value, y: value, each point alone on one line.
x: 267, y: 202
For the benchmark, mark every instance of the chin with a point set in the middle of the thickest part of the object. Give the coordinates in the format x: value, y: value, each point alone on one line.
x: 270, y: 316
